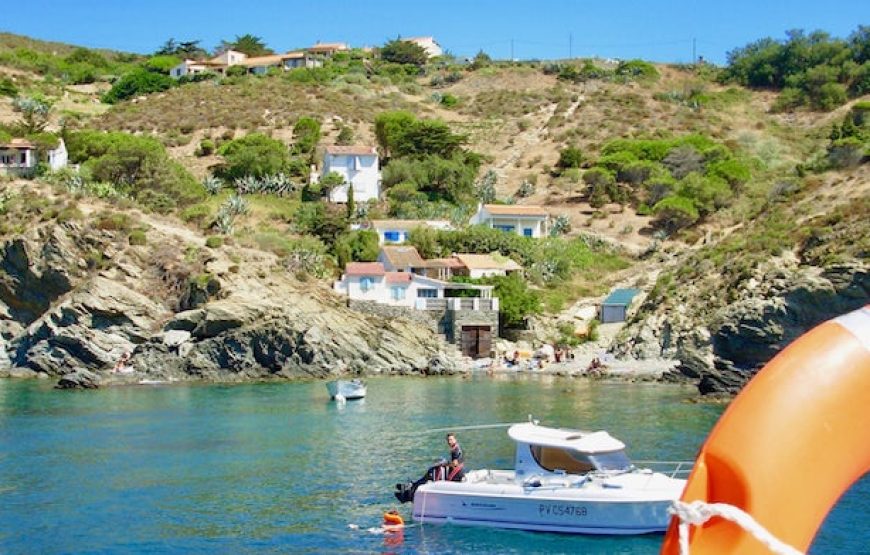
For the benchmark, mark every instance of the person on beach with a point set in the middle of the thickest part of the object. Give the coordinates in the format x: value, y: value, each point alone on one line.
x: 121, y: 365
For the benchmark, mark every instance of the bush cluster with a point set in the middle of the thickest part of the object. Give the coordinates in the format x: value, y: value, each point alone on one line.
x: 812, y: 69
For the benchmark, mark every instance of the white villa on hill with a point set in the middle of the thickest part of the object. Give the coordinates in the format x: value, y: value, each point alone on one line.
x: 257, y: 65
x: 370, y: 281
x: 20, y: 157
x: 528, y: 221
x: 398, y: 231
x: 358, y: 165
x: 429, y: 44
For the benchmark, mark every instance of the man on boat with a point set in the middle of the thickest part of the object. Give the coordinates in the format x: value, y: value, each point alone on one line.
x: 452, y: 470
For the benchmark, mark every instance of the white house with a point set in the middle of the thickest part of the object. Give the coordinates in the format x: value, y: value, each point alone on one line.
x: 229, y: 58
x: 528, y: 221
x: 398, y: 231
x: 293, y: 60
x: 429, y: 44
x: 328, y: 48
x: 20, y: 156
x: 370, y: 281
x: 193, y: 67
x: 358, y: 165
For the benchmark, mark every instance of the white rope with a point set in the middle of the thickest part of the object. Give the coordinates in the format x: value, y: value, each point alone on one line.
x: 698, y: 512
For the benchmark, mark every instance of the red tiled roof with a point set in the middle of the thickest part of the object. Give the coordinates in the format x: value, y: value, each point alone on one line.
x: 357, y: 150
x: 514, y: 210
x: 398, y: 277
x: 364, y: 269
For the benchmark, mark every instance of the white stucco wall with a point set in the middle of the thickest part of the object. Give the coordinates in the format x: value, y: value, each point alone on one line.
x: 57, y: 158
x: 520, y: 223
x: 359, y: 171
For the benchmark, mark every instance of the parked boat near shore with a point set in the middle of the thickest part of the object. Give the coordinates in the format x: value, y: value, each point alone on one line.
x: 346, y: 389
x: 564, y: 481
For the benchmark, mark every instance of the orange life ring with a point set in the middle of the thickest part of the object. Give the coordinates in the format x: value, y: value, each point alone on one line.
x: 790, y: 444
x: 392, y: 518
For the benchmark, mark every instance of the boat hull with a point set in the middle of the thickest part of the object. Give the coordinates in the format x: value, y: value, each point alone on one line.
x: 569, y: 511
x: 346, y: 388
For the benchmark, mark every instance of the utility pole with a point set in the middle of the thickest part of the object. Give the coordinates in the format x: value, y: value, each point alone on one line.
x: 694, y: 58
x: 512, y: 49
x: 570, y: 45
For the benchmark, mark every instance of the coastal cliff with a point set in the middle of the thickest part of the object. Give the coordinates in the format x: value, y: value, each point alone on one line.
x: 76, y: 297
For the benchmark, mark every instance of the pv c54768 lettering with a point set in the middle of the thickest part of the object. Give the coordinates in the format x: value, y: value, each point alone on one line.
x: 561, y: 510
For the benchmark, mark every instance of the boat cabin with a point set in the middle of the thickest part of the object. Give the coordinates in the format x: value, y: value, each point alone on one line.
x: 542, y: 450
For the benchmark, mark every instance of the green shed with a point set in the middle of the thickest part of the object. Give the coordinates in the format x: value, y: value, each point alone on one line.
x: 615, y: 306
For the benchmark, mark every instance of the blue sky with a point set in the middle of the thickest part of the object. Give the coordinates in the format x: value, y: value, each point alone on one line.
x: 545, y: 29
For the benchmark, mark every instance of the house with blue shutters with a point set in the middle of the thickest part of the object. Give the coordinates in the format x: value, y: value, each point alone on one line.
x: 398, y: 231
x: 525, y: 220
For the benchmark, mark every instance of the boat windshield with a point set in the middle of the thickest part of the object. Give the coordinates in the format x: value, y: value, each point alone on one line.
x: 575, y: 462
x: 614, y: 460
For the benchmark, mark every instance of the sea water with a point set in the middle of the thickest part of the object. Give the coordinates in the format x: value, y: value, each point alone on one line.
x: 279, y: 468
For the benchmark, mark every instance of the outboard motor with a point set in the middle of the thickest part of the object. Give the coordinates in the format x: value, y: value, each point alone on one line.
x: 405, y: 492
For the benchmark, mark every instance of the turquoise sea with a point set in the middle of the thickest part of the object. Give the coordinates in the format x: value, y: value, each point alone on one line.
x: 279, y: 468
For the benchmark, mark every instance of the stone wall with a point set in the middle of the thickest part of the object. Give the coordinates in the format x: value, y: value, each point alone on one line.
x: 423, y: 317
x: 446, y: 322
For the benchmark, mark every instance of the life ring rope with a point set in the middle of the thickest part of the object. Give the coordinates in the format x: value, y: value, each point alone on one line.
x: 697, y: 513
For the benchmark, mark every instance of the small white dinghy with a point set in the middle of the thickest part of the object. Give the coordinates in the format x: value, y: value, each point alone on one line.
x: 563, y: 481
x: 347, y: 389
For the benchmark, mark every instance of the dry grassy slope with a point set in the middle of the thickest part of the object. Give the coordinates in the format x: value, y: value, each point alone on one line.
x: 517, y: 116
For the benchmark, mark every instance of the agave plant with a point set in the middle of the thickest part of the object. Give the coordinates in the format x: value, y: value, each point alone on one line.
x: 212, y: 185
x: 486, y: 187
x: 527, y: 189
x: 247, y: 185
x: 236, y: 205
x: 560, y: 226
x: 224, y: 223
x: 74, y: 183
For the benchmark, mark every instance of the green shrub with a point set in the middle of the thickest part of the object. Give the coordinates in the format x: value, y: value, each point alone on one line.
x: 637, y: 69
x: 570, y: 157
x: 206, y: 148
x: 254, y: 154
x: 675, y: 212
x: 306, y: 133
x: 133, y: 164
x: 196, y: 213
x: 113, y: 221
x: 137, y: 238
x: 137, y: 82
x: 214, y: 242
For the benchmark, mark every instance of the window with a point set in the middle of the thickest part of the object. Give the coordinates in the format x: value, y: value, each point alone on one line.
x: 573, y: 462
x: 527, y: 232
x: 505, y: 228
x: 392, y: 236
x: 397, y: 293
x: 366, y: 283
x: 427, y: 293
x: 23, y: 157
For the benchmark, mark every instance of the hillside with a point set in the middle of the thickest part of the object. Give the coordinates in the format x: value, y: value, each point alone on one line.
x: 776, y: 242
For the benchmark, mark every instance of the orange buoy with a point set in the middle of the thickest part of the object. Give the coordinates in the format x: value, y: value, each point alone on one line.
x: 790, y: 444
x: 393, y: 518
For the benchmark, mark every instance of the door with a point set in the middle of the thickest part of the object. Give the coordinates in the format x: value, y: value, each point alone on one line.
x: 476, y: 341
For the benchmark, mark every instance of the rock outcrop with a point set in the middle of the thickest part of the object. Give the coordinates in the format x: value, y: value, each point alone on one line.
x: 723, y: 348
x: 56, y: 314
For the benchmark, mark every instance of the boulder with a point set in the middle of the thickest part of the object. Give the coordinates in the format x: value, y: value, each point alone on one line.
x: 79, y: 379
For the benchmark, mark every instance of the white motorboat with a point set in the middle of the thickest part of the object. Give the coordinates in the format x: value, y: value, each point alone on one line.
x: 346, y: 389
x: 563, y: 481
